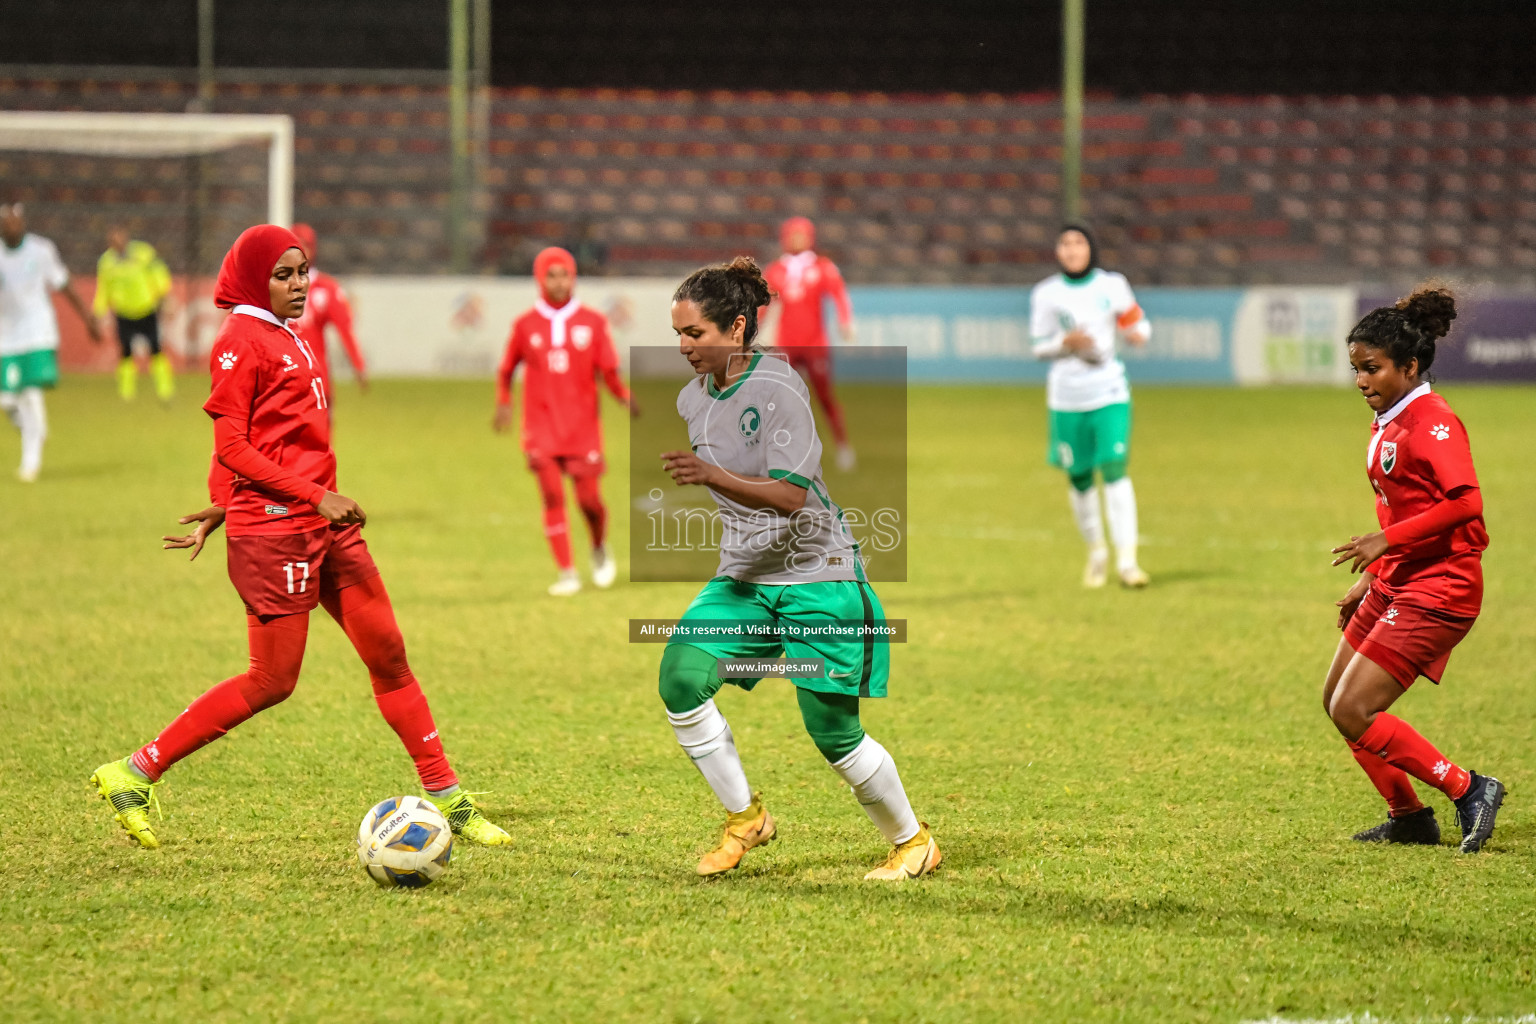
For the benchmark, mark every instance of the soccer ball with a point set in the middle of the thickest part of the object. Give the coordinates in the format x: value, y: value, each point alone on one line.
x: 404, y: 841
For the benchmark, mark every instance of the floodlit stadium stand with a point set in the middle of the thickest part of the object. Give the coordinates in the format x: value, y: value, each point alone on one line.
x: 963, y: 188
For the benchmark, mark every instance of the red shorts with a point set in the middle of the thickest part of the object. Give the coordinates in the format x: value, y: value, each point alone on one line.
x: 1405, y: 633
x: 590, y: 464
x: 286, y: 574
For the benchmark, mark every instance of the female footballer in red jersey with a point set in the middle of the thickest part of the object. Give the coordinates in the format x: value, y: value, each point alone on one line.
x: 1422, y: 586
x: 327, y: 306
x: 562, y: 347
x: 293, y: 542
x: 800, y: 280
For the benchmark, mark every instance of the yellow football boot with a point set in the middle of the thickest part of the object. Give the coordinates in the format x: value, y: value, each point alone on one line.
x: 743, y: 830
x: 914, y: 858
x: 466, y: 821
x: 130, y: 796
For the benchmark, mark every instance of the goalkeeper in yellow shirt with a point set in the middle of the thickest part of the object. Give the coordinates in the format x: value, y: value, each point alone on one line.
x: 131, y: 282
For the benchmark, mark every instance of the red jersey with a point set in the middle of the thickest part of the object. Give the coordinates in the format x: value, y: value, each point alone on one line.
x: 561, y: 351
x: 1418, y: 454
x: 328, y: 305
x: 800, y: 282
x: 268, y: 380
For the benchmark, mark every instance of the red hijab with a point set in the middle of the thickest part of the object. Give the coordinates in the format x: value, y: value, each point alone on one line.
x: 554, y: 256
x: 306, y: 236
x: 797, y: 224
x: 248, y: 266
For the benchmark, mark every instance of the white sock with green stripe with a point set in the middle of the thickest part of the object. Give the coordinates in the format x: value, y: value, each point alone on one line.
x: 705, y: 735
x: 871, y: 774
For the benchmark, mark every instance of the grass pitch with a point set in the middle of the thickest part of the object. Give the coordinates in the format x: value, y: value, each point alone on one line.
x: 1144, y: 813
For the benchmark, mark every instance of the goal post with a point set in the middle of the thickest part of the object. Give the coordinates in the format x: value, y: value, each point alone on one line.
x: 161, y: 135
x: 187, y: 183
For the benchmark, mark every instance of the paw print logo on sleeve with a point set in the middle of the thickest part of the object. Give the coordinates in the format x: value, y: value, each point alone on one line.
x: 227, y: 361
x: 1440, y: 431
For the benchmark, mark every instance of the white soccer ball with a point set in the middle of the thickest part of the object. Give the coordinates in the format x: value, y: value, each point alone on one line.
x: 404, y: 841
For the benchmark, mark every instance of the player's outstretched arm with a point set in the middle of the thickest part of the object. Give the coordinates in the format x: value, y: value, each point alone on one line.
x: 341, y: 316
x: 73, y: 298
x: 208, y: 520
x: 1362, y: 550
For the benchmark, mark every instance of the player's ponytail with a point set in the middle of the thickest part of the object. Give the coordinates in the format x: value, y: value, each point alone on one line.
x: 1409, y: 329
x: 726, y: 291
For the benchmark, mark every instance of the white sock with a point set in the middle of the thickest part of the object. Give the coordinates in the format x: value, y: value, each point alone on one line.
x: 1120, y: 500
x: 706, y: 737
x: 33, y: 417
x: 1085, y: 509
x: 871, y: 774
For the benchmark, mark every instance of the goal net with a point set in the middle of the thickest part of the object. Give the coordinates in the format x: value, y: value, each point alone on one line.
x: 185, y: 183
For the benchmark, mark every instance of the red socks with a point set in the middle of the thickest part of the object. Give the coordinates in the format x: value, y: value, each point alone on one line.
x: 555, y: 530
x: 590, y: 497
x: 1392, y: 783
x: 407, y: 713
x: 1399, y: 744
x: 277, y: 651
x: 365, y: 614
x: 209, y: 717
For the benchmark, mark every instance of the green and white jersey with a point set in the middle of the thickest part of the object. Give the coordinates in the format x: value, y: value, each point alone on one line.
x: 762, y: 426
x: 29, y: 275
x: 1102, y: 306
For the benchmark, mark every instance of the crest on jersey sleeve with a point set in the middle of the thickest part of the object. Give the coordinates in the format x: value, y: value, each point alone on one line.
x: 1388, y: 455
x: 581, y: 336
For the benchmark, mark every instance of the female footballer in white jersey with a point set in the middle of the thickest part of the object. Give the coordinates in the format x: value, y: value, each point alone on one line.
x: 1075, y: 317
x: 789, y: 576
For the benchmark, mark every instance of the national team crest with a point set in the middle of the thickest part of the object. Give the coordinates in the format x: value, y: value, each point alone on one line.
x: 1388, y: 455
x: 536, y: 340
x: 581, y: 336
x: 749, y: 422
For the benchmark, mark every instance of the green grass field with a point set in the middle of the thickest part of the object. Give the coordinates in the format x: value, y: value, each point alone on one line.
x: 1144, y: 812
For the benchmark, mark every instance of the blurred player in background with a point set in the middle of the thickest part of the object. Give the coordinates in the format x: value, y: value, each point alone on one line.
x: 1075, y: 317
x: 30, y: 272
x: 1422, y: 583
x: 800, y: 280
x: 131, y: 283
x: 786, y: 558
x: 327, y: 305
x: 293, y: 543
x: 563, y: 346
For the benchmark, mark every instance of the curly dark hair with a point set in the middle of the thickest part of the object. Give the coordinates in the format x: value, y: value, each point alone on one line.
x: 1408, y: 330
x: 726, y: 291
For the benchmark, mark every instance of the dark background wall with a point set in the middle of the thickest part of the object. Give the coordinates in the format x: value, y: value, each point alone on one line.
x: 1435, y: 47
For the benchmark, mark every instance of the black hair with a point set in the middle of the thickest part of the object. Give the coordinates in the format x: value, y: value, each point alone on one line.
x: 1093, y: 249
x: 1408, y: 330
x: 726, y: 291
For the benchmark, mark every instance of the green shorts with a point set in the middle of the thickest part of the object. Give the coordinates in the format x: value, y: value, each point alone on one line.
x: 857, y: 667
x: 37, y: 369
x: 1083, y: 441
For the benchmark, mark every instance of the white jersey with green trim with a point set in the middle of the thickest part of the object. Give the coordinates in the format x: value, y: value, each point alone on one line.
x: 29, y: 275
x: 1102, y: 306
x: 762, y: 426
